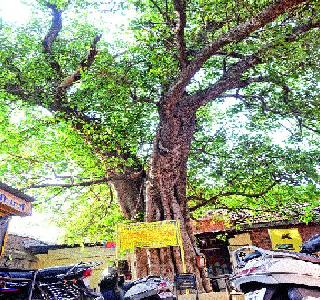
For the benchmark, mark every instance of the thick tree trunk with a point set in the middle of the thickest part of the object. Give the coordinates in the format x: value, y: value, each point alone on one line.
x: 130, y: 189
x: 165, y: 196
x: 166, y: 193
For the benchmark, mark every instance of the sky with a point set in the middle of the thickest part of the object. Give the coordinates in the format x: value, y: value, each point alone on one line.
x: 14, y: 11
x: 37, y: 226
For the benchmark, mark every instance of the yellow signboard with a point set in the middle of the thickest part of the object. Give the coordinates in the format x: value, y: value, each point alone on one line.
x: 148, y: 235
x: 286, y: 239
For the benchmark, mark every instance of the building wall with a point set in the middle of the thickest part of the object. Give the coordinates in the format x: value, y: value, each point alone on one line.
x: 260, y: 236
x: 239, y: 240
x: 69, y: 256
x: 15, y: 255
x: 309, y: 231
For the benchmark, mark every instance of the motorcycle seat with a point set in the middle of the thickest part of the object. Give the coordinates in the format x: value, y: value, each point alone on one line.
x: 17, y: 274
x: 54, y: 271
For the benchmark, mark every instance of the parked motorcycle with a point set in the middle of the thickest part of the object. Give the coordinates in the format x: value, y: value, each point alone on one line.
x: 278, y: 275
x: 63, y: 282
x: 151, y: 288
x: 113, y: 287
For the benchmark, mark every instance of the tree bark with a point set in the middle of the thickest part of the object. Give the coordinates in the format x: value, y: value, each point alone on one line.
x: 166, y: 192
x: 130, y: 193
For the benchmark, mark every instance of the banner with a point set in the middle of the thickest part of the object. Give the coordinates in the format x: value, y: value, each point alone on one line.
x: 13, y: 205
x: 286, y: 239
x: 148, y: 235
x: 4, y: 222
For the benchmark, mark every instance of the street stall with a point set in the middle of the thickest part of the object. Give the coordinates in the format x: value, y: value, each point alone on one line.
x: 12, y: 203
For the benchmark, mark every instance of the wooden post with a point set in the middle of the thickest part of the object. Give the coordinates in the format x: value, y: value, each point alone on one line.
x: 180, y: 241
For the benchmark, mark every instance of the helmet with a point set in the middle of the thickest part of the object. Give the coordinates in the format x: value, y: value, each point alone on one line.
x: 109, y: 272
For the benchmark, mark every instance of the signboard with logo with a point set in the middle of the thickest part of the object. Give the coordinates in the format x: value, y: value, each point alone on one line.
x: 12, y: 202
x: 286, y: 239
x: 13, y: 205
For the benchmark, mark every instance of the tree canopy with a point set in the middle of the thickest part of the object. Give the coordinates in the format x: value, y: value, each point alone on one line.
x: 79, y: 113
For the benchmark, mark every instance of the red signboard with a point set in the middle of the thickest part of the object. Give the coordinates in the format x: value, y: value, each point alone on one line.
x: 110, y: 245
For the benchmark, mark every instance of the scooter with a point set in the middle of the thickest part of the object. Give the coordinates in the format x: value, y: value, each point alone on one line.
x: 63, y: 282
x: 113, y: 287
x: 277, y: 275
x: 151, y: 287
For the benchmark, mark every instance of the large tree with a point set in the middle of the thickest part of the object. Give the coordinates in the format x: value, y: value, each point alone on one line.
x: 181, y: 59
x: 249, y: 42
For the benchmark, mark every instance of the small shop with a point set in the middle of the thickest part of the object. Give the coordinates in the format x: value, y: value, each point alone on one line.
x: 12, y: 203
x: 218, y: 239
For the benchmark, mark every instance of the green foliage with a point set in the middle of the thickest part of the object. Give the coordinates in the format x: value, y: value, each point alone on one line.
x: 96, y: 218
x: 106, y: 121
x: 239, y: 151
x: 41, y: 146
x: 34, y: 146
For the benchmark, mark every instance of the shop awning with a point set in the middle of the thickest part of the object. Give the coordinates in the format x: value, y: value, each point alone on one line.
x: 14, y: 202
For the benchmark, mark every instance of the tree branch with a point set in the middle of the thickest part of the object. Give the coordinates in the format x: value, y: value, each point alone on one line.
x: 68, y: 185
x: 54, y: 30
x: 232, y: 54
x: 266, y: 108
x: 84, y: 65
x: 209, y: 27
x: 17, y: 90
x: 302, y: 29
x: 51, y: 36
x: 230, y: 80
x: 112, y: 177
x: 232, y: 77
x: 236, y: 34
x: 180, y: 9
x: 165, y: 14
x: 315, y: 130
x: 137, y: 98
x: 225, y: 194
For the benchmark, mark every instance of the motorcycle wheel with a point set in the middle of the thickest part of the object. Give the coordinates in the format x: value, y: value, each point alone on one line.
x: 281, y: 293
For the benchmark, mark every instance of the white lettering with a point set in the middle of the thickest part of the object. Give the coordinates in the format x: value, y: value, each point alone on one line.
x: 12, y: 203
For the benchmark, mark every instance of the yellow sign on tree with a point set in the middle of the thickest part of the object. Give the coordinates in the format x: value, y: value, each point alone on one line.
x: 148, y: 235
x: 286, y: 239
